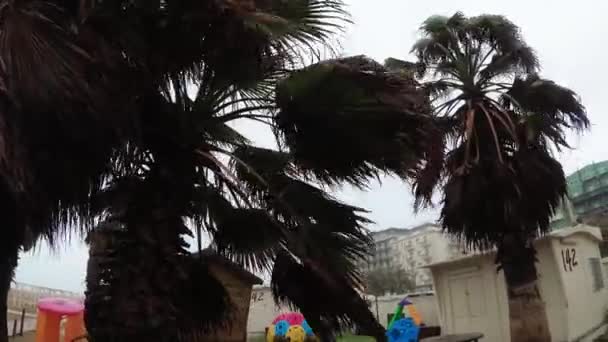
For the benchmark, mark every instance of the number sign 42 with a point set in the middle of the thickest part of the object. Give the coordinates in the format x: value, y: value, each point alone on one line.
x: 569, y: 259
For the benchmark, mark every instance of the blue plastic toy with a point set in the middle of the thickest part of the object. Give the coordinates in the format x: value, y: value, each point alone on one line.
x: 403, y: 330
x: 307, y: 328
x: 281, y: 328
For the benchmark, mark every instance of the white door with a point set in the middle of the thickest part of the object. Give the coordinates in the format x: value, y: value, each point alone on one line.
x: 468, y: 305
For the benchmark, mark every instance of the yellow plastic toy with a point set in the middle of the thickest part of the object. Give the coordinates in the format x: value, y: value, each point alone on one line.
x: 296, y: 334
x: 270, y: 334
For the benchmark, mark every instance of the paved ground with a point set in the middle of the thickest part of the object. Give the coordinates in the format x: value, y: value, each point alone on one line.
x: 28, y: 337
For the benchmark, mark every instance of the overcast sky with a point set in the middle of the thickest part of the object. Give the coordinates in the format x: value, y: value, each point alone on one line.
x: 569, y: 37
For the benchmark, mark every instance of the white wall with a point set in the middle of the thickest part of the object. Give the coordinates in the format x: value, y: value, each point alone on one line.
x: 551, y: 289
x: 586, y: 308
x: 262, y: 310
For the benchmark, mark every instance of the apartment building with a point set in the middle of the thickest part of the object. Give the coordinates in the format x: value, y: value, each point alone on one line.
x: 587, y: 197
x: 410, y: 249
x: 383, y: 255
x: 588, y: 191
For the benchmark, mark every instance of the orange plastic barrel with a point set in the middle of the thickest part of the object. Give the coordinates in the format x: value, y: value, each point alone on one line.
x: 50, y: 313
x: 74, y: 327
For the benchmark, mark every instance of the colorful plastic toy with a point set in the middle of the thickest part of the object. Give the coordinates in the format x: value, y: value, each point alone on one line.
x: 296, y: 333
x: 405, y: 308
x: 307, y: 328
x: 270, y: 333
x: 290, y: 325
x: 281, y: 328
x: 293, y: 318
x: 403, y: 330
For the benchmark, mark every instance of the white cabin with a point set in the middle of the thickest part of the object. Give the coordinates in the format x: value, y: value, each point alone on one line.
x: 472, y: 297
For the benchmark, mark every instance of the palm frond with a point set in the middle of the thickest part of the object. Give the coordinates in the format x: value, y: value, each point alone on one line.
x: 521, y: 59
x: 505, y: 37
x: 303, y: 23
x: 44, y: 66
x: 547, y: 109
x: 435, y: 25
x: 474, y: 50
x: 364, y: 120
x: 432, y: 172
x: 55, y: 93
x: 323, y: 240
x: 339, y: 251
x: 526, y: 190
x: 280, y: 35
x: 329, y: 303
x: 440, y: 42
x: 271, y: 179
x: 249, y: 237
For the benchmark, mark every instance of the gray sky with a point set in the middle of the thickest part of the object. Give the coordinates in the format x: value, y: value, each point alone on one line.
x: 568, y: 36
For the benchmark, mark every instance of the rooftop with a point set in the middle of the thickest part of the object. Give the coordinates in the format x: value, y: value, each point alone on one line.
x: 580, y: 229
x: 386, y: 234
x: 595, y: 173
x: 208, y: 255
x: 589, y: 171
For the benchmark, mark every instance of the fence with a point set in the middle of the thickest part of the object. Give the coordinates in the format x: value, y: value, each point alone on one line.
x: 25, y: 296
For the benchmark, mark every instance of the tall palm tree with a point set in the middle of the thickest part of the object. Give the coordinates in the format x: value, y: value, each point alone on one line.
x: 119, y: 114
x: 260, y: 206
x: 500, y: 123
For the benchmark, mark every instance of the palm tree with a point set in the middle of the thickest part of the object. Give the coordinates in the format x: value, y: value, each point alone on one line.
x: 258, y: 205
x: 500, y: 123
x: 119, y: 115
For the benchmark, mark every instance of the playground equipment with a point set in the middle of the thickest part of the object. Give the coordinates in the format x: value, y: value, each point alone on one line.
x: 291, y: 325
x: 51, y: 311
x: 404, y: 329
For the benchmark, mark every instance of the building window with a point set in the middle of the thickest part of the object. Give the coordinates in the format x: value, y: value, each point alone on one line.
x: 596, y: 273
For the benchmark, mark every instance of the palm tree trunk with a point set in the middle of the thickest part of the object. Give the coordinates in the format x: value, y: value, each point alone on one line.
x: 3, y: 321
x: 133, y: 279
x: 7, y: 268
x: 527, y: 314
x: 3, y: 318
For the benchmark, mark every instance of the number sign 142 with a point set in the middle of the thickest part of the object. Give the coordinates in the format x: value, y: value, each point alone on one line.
x: 569, y: 259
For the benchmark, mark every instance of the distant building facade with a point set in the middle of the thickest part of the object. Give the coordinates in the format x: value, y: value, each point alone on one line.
x: 384, y: 253
x: 587, y: 197
x: 588, y: 191
x: 410, y: 249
